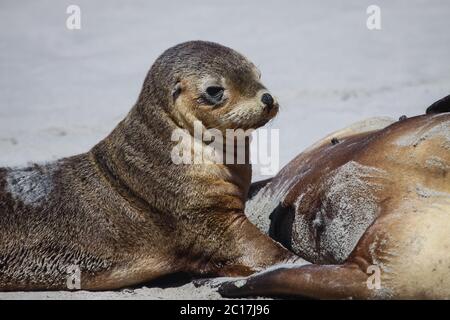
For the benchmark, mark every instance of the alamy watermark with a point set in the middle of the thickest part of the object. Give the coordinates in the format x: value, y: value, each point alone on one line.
x: 373, y: 282
x: 73, y: 21
x: 73, y: 280
x: 211, y: 146
x: 373, y: 21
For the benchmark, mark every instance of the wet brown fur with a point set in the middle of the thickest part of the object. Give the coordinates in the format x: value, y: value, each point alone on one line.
x: 123, y: 212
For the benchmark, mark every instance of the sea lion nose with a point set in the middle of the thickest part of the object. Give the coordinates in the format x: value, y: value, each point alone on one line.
x: 267, y: 99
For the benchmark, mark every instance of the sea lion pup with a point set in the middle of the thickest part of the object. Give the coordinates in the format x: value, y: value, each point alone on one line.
x: 124, y: 212
x: 371, y: 212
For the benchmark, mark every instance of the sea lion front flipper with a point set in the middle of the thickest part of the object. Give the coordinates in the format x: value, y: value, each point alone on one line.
x: 311, y: 281
x: 440, y: 106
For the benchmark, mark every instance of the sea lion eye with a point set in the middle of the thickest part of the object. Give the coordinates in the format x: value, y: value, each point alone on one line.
x: 214, y: 94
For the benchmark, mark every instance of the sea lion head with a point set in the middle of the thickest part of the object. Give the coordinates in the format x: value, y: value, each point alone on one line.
x: 207, y: 82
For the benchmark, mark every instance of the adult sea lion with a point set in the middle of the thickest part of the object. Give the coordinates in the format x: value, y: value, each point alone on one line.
x: 370, y: 211
x: 124, y: 212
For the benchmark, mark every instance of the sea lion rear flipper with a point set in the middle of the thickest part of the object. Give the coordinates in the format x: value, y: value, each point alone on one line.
x: 440, y: 106
x: 312, y: 281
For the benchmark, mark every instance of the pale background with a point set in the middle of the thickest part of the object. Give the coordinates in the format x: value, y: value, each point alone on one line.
x: 61, y: 91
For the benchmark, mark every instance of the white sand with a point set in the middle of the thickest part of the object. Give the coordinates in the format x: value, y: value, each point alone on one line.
x: 187, y: 291
x: 62, y: 91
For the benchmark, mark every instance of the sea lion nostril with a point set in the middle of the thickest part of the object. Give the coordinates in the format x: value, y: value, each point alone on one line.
x: 267, y: 99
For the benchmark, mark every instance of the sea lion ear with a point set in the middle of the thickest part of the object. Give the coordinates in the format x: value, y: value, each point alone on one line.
x: 440, y: 106
x: 176, y: 90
